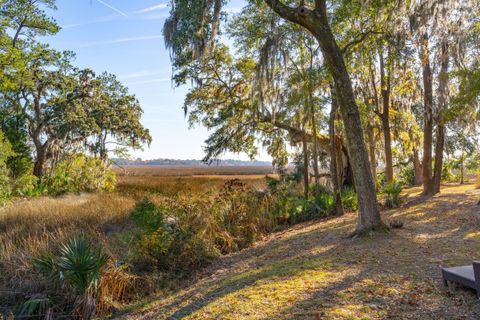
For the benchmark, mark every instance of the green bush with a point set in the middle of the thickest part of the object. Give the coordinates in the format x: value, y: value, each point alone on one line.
x: 5, y: 182
x: 77, y: 269
x: 79, y: 174
x: 171, y: 236
x: 392, y: 194
x: 349, y: 199
x: 407, y: 175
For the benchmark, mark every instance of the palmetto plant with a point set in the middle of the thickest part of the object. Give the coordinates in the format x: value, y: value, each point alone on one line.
x: 78, y: 266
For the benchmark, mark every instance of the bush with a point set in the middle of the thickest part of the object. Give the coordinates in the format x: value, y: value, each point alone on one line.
x: 77, y: 269
x: 5, y: 153
x: 15, y: 177
x: 407, y: 175
x: 170, y: 236
x: 349, y: 199
x: 392, y: 194
x: 79, y: 174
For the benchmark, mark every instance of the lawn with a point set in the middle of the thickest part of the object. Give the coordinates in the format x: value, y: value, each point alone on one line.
x: 312, y: 271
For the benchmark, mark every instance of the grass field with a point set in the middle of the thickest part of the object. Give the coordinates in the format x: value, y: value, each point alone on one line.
x: 30, y: 227
x: 177, y: 171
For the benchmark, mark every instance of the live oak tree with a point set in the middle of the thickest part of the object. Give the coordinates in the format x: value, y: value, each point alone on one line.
x: 316, y: 18
x: 48, y: 103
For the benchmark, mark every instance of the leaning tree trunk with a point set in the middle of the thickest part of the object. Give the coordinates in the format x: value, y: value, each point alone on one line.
x: 442, y: 100
x: 333, y: 159
x: 369, y: 214
x: 305, y: 166
x: 317, y: 22
x: 428, y: 121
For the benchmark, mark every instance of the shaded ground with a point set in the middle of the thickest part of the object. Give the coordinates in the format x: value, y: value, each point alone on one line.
x: 312, y: 271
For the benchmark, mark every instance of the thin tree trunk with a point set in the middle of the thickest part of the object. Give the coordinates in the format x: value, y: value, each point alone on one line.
x: 385, y: 117
x: 315, y: 153
x: 333, y: 159
x: 442, y: 100
x: 305, y: 166
x: 461, y: 172
x: 418, y: 168
x: 371, y: 147
x: 428, y: 121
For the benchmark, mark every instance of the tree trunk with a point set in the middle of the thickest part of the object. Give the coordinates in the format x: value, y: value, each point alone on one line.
x: 428, y: 121
x: 461, y: 173
x: 315, y: 154
x: 40, y: 160
x: 418, y: 168
x: 442, y: 100
x: 369, y: 214
x: 305, y: 166
x: 385, y: 117
x: 333, y: 159
x: 317, y: 22
x: 371, y: 146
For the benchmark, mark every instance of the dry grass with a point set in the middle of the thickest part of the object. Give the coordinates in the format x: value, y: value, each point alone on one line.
x: 176, y: 171
x: 31, y: 227
x: 313, y: 272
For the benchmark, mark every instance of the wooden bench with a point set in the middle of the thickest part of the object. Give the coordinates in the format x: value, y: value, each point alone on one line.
x: 468, y: 276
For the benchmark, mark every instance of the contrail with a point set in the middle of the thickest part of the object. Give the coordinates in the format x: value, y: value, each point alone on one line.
x: 113, y: 8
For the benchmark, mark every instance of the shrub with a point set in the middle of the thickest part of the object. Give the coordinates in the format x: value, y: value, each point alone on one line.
x: 78, y: 268
x: 5, y: 153
x: 407, y: 175
x: 170, y: 235
x: 392, y: 194
x: 80, y: 174
x: 349, y: 199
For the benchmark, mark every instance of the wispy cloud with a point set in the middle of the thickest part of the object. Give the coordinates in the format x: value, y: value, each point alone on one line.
x: 122, y: 40
x: 112, y: 8
x: 153, y: 8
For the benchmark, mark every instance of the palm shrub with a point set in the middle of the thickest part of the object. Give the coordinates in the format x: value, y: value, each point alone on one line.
x: 392, y: 193
x: 78, y: 267
x: 349, y: 199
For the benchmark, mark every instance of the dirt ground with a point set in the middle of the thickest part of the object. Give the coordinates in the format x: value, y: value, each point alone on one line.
x: 312, y: 271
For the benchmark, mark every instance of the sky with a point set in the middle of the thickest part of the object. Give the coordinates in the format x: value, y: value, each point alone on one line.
x: 124, y: 37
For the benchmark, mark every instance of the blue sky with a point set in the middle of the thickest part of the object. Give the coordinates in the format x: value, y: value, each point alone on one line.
x: 123, y: 37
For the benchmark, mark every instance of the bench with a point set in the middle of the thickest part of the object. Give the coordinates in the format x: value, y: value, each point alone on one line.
x: 468, y: 276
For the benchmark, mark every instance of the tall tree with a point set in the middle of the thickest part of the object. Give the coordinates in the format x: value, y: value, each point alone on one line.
x: 316, y: 20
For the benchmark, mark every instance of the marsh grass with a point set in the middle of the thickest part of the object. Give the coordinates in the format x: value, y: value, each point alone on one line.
x: 29, y: 228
